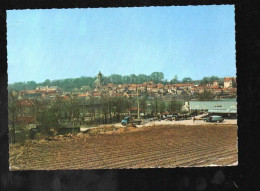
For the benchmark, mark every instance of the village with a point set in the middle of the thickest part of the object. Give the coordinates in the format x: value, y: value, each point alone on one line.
x: 111, y: 103
x: 165, y: 92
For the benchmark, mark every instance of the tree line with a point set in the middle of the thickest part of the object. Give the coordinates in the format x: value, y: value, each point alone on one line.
x: 70, y: 84
x: 51, y: 115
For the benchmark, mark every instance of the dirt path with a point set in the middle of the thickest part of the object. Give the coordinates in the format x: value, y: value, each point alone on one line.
x: 146, y: 147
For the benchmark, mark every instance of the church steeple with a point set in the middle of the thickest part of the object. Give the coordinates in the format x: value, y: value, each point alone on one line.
x: 99, y: 79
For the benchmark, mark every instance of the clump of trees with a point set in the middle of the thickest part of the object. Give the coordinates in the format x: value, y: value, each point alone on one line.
x: 210, y: 79
x: 205, y: 96
x: 174, y: 106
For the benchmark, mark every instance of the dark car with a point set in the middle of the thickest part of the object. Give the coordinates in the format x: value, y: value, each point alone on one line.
x: 214, y: 118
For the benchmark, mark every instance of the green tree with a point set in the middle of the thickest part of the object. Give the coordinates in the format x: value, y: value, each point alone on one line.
x: 154, y: 106
x: 214, y: 78
x: 210, y: 79
x: 187, y: 79
x: 46, y: 82
x: 47, y: 120
x: 205, y: 96
x: 133, y: 78
x: 141, y: 78
x: 162, y: 107
x: 157, y: 77
x: 143, y: 104
x: 31, y: 85
x: 115, y: 78
x: 174, y: 106
x: 174, y: 80
x: 205, y: 80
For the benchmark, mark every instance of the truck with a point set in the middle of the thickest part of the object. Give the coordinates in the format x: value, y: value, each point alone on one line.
x: 130, y: 120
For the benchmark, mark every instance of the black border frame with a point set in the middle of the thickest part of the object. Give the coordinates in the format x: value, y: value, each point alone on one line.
x: 245, y: 176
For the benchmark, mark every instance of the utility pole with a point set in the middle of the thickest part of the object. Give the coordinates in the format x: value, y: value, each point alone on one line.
x: 138, y: 104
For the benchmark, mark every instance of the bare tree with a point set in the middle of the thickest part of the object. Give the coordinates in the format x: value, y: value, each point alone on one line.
x: 12, y: 114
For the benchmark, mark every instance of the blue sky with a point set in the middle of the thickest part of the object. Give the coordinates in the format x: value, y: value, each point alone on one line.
x: 188, y: 41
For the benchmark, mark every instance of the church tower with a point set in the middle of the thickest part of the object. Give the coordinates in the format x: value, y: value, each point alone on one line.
x: 99, y: 79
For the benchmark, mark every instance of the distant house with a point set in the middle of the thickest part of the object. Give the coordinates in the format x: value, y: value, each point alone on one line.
x: 25, y: 120
x: 97, y: 94
x: 199, y: 89
x: 162, y: 90
x: 116, y: 94
x: 150, y: 87
x: 217, y: 91
x: 83, y: 96
x: 26, y: 112
x: 45, y: 88
x: 30, y: 93
x: 215, y: 85
x: 128, y: 95
x: 132, y: 88
x: 172, y: 91
x: 155, y: 90
x: 134, y: 111
x: 229, y: 82
x: 160, y: 85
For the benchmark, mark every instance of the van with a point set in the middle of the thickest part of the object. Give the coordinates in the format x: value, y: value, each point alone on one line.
x: 214, y: 118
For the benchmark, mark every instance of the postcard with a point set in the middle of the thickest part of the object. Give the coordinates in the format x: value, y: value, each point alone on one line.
x: 113, y: 88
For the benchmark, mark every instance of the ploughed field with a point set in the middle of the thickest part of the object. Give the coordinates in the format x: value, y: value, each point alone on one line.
x: 155, y: 146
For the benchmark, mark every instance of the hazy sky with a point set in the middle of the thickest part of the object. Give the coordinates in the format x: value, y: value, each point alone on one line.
x: 190, y: 41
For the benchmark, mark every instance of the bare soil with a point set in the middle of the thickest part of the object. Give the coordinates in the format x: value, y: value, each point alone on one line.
x: 143, y: 147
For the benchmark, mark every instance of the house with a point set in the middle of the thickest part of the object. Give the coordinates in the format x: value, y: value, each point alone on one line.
x: 160, y: 85
x: 128, y: 95
x: 83, y: 96
x: 229, y: 82
x: 150, y: 87
x: 155, y: 90
x: 200, y: 89
x: 172, y: 91
x: 44, y: 88
x: 162, y: 90
x: 217, y: 91
x: 31, y: 93
x: 97, y: 94
x: 25, y: 120
x: 179, y: 92
x: 215, y: 85
x: 113, y: 94
x: 134, y: 111
x: 132, y: 88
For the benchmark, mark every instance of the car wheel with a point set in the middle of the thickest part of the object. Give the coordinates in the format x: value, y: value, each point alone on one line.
x: 218, y: 121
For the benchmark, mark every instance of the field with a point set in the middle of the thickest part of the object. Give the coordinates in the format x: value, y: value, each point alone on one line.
x: 144, y: 147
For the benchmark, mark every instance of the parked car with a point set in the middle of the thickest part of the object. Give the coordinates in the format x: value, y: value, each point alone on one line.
x: 214, y: 118
x: 163, y: 117
x: 173, y: 117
